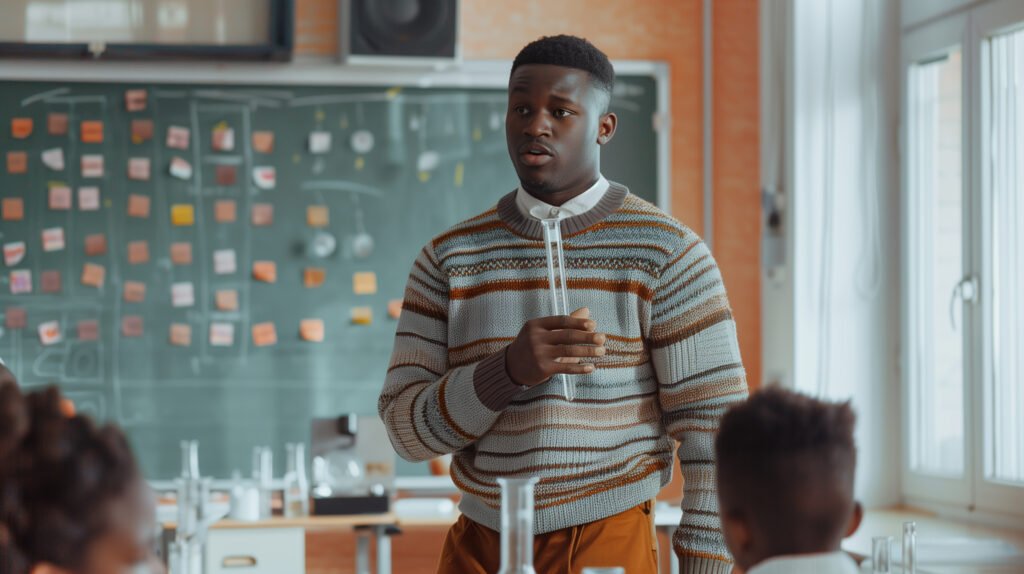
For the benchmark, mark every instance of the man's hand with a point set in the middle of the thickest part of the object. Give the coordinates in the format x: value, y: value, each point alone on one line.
x: 535, y: 354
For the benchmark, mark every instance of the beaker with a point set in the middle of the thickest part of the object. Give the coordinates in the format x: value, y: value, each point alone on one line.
x: 517, y: 525
x: 910, y: 547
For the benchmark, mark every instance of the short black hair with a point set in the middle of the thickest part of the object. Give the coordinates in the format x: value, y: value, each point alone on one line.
x: 569, y: 52
x: 786, y: 463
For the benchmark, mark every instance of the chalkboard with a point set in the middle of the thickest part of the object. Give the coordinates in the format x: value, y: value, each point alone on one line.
x: 437, y: 156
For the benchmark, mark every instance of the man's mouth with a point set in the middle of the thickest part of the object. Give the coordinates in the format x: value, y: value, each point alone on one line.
x: 535, y: 154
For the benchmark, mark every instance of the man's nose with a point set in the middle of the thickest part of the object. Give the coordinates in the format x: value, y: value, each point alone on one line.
x: 538, y: 124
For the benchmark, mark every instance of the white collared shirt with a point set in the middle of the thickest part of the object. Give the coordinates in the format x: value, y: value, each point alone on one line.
x: 530, y: 206
x: 827, y: 563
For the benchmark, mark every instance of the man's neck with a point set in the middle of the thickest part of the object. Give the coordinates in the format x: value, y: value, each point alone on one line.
x: 558, y: 198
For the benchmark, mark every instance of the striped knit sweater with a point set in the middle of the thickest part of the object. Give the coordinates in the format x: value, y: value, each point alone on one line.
x: 672, y: 367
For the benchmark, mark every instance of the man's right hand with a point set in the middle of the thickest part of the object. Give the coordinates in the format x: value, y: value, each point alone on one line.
x: 533, y: 357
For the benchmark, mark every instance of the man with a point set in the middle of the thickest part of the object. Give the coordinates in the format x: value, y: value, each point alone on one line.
x: 474, y: 356
x: 785, y: 484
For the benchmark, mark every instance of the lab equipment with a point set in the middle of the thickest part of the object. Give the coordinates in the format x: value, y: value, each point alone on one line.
x: 517, y: 525
x: 556, y: 285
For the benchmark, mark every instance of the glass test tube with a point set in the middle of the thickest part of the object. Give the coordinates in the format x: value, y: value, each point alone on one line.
x: 881, y: 554
x: 517, y: 525
x: 556, y: 284
x: 910, y: 547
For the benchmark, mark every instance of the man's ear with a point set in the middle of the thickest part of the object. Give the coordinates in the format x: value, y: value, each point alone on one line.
x: 606, y: 128
x: 855, y: 519
x: 47, y: 568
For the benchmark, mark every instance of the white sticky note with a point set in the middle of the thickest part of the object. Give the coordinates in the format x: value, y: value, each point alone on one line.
x: 183, y: 295
x: 49, y: 333
x: 21, y: 281
x: 14, y: 252
x: 362, y: 141
x: 224, y: 262
x: 89, y: 198
x: 222, y: 334
x: 54, y: 159
x: 265, y: 177
x: 181, y: 169
x: 92, y: 165
x: 53, y: 239
x: 177, y: 137
x: 319, y: 142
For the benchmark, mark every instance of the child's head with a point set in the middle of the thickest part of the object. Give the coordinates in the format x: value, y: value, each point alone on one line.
x: 71, y: 497
x: 785, y: 476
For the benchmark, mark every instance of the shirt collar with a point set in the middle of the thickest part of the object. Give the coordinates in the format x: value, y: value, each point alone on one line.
x: 826, y: 563
x: 532, y: 207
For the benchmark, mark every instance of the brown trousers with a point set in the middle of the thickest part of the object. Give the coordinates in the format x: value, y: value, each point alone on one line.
x: 626, y: 539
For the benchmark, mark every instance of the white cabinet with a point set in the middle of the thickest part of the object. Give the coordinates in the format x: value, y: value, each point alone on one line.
x: 256, y: 551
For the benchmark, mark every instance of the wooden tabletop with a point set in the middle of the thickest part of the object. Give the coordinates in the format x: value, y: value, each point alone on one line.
x: 306, y: 522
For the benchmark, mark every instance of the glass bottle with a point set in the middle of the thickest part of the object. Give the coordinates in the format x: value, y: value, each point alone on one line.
x: 296, y: 485
x: 517, y: 525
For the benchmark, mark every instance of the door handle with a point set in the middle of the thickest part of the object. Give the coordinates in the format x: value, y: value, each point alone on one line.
x: 966, y: 290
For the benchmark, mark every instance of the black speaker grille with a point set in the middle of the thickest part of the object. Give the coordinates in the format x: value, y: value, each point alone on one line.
x: 414, y: 28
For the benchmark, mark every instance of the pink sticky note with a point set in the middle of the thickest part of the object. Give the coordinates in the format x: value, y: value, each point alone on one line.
x: 21, y: 281
x: 181, y: 335
x: 50, y: 333
x: 88, y: 198
x: 88, y: 330
x: 222, y: 334
x: 49, y: 281
x: 60, y: 198
x: 92, y: 165
x: 15, y: 318
x: 53, y: 239
x: 131, y: 326
x: 177, y: 137
x: 138, y: 168
x: 135, y: 100
x: 262, y: 214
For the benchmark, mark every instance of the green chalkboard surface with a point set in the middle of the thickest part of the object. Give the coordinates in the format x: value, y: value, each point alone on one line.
x: 402, y: 164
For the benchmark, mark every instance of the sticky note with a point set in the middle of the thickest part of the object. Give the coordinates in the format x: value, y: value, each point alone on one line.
x: 181, y: 253
x: 142, y: 131
x: 21, y: 128
x: 222, y: 334
x: 131, y: 326
x: 54, y: 158
x: 226, y: 175
x: 134, y: 291
x: 49, y: 281
x: 57, y: 124
x: 15, y: 318
x: 264, y: 334
x: 138, y: 168
x: 88, y: 198
x: 88, y: 330
x: 314, y: 277
x: 93, y: 275
x: 395, y: 308
x: 21, y: 281
x: 224, y: 211
x: 312, y: 330
x: 319, y: 142
x: 223, y: 137
x: 178, y: 137
x: 50, y: 333
x: 263, y: 141
x: 364, y: 283
x: 317, y: 216
x: 362, y: 315
x: 265, y: 271
x: 226, y: 300
x: 181, y: 335
x: 264, y: 177
x: 262, y: 214
x: 183, y: 214
x: 95, y: 244
x: 224, y: 262
x: 92, y: 132
x: 138, y: 252
x: 183, y: 295
x: 17, y: 162
x: 138, y: 205
x: 13, y: 208
x: 181, y: 169
x: 135, y: 100
x: 14, y: 253
x: 60, y: 198
x: 92, y: 165
x: 53, y: 239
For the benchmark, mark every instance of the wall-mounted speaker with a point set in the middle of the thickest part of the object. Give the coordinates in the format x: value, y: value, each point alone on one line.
x: 405, y: 32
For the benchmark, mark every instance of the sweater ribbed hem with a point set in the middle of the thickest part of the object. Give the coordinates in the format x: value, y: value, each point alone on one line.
x: 695, y: 565
x: 529, y: 227
x: 494, y: 388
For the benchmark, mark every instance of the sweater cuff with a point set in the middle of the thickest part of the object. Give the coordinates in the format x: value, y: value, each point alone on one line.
x: 494, y: 388
x: 696, y: 565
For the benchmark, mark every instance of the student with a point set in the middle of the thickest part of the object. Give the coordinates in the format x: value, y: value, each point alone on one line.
x: 475, y: 349
x: 785, y: 483
x: 71, y: 497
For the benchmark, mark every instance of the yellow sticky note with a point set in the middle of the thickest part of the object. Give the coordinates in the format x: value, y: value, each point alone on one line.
x: 364, y: 283
x: 362, y: 315
x: 183, y: 214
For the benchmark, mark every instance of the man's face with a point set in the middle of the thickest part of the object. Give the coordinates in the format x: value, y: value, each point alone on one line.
x: 554, y: 125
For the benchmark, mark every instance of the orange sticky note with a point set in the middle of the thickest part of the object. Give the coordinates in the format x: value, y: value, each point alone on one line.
x: 395, y: 308
x: 57, y: 124
x: 226, y: 300
x: 134, y: 291
x: 131, y: 326
x: 138, y: 205
x: 314, y: 277
x: 312, y: 330
x: 135, y: 100
x: 317, y: 216
x: 93, y: 275
x: 364, y: 283
x: 13, y: 209
x: 264, y: 334
x: 21, y: 128
x: 92, y: 132
x: 362, y: 315
x: 138, y: 252
x: 224, y: 211
x: 263, y: 141
x: 17, y: 162
x: 265, y: 271
x: 181, y: 335
x: 183, y: 214
x: 181, y: 253
x: 262, y: 214
x: 95, y: 244
x: 142, y: 131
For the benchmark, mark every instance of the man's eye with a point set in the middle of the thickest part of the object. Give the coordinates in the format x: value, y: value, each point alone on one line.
x: 562, y: 113
x: 521, y: 110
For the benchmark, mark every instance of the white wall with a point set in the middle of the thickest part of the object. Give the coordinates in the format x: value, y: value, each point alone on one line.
x: 914, y: 12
